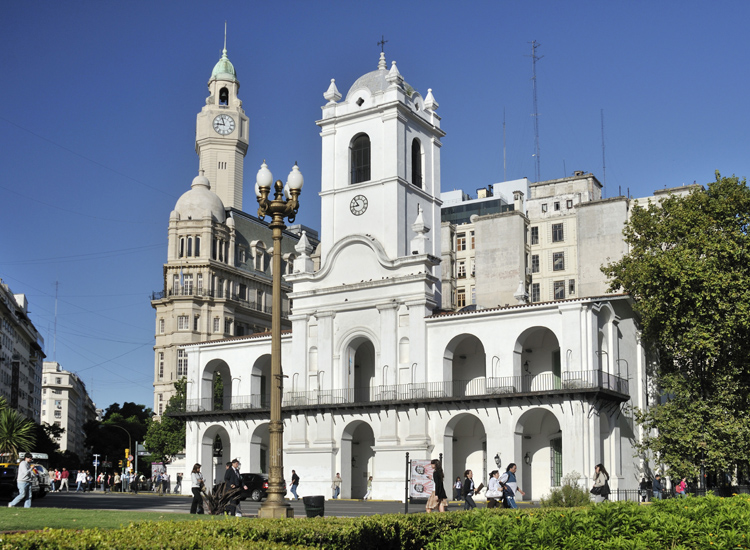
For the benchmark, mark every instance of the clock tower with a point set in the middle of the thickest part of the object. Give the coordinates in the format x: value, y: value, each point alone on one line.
x: 221, y: 134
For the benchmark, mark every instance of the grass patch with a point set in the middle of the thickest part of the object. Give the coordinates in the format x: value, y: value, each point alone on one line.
x: 22, y: 519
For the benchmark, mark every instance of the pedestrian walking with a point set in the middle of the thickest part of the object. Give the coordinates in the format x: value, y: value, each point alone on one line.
x: 178, y: 485
x: 681, y: 488
x: 23, y: 481
x: 233, y: 480
x: 656, y: 487
x: 165, y: 482
x: 457, y: 489
x: 196, y: 486
x: 511, y: 483
x: 438, y: 500
x: 64, y: 476
x: 644, y: 489
x: 368, y: 494
x: 468, y: 490
x: 81, y: 481
x: 295, y: 484
x: 494, y: 490
x: 336, y: 486
x: 600, y: 490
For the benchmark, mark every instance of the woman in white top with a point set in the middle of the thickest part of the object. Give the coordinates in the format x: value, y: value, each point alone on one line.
x: 196, y: 507
x: 493, y: 488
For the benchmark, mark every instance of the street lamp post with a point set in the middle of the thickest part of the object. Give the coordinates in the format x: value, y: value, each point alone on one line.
x: 130, y: 441
x: 284, y: 205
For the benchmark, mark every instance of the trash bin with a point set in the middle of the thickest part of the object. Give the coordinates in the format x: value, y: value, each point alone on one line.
x: 314, y: 505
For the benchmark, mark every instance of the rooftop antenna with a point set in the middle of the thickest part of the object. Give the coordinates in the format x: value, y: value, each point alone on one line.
x: 505, y: 163
x: 604, y: 164
x: 54, y: 338
x: 534, y: 58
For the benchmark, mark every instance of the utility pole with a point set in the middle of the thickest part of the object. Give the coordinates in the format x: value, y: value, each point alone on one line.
x: 534, y: 58
x: 96, y: 468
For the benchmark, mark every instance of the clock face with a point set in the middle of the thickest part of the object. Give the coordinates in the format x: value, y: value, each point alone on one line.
x: 224, y: 125
x: 358, y: 206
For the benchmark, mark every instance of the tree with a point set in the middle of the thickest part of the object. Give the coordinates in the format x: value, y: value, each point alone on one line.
x: 166, y: 438
x: 688, y: 271
x: 109, y: 439
x: 17, y: 433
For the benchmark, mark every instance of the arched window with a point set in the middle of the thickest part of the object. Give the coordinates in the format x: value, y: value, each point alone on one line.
x: 416, y: 163
x: 360, y: 158
x: 223, y: 96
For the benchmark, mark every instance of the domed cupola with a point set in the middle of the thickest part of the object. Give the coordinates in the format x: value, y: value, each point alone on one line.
x: 224, y: 70
x: 380, y: 80
x: 200, y: 202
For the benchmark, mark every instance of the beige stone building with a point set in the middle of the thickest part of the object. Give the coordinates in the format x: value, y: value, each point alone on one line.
x: 217, y: 277
x: 66, y: 404
x: 548, y: 244
x: 21, y: 355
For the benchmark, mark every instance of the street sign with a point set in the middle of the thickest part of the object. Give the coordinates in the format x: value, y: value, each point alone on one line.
x: 96, y: 463
x: 130, y: 458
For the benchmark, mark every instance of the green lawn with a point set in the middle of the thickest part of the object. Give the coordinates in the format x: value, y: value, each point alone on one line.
x: 21, y: 519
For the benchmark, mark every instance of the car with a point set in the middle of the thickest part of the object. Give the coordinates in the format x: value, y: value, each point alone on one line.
x: 257, y: 487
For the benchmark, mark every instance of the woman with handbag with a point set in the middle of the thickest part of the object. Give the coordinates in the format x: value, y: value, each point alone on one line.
x: 438, y: 500
x: 494, y: 490
x: 196, y: 507
x: 681, y: 488
x: 600, y: 490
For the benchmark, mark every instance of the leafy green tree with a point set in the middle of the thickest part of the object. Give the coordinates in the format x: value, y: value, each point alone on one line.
x: 166, y: 438
x: 17, y: 433
x: 688, y: 271
x: 120, y: 427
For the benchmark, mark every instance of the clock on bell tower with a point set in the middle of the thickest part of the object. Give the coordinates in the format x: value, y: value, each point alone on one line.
x: 221, y: 134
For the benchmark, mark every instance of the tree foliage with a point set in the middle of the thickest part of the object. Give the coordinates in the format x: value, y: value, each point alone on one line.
x: 120, y: 428
x: 17, y: 433
x: 166, y: 438
x: 688, y: 271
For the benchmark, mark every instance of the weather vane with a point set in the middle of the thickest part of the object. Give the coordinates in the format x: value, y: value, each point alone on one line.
x: 382, y: 43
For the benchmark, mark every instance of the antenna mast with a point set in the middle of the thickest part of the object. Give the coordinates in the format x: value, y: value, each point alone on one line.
x: 534, y: 58
x: 54, y: 339
x: 604, y: 164
x: 505, y: 164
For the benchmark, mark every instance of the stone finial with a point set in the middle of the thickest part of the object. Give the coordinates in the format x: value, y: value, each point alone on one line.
x: 382, y: 65
x: 429, y: 101
x: 303, y: 263
x: 521, y: 295
x: 394, y: 77
x: 420, y: 242
x: 332, y: 94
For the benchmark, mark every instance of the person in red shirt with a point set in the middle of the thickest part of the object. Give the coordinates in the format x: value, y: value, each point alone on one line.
x: 64, y: 480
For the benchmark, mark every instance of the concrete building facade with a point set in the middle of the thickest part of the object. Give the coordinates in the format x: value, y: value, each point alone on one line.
x: 21, y: 355
x: 66, y: 404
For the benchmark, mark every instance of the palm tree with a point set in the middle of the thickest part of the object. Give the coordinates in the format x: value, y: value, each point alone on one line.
x: 16, y: 432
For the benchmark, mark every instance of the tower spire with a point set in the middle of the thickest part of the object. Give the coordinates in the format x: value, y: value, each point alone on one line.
x: 225, y: 37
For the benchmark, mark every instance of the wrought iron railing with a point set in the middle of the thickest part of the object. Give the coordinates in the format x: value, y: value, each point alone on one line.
x: 425, y: 391
x: 206, y: 293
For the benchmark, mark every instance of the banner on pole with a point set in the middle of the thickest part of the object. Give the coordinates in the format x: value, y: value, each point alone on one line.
x: 421, y: 485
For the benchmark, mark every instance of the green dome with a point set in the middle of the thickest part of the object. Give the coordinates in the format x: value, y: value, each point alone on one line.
x: 224, y: 70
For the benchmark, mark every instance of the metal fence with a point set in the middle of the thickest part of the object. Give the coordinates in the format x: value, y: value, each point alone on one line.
x: 424, y: 391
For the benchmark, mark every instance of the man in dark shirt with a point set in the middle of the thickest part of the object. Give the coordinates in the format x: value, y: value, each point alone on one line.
x: 656, y: 487
x: 295, y: 484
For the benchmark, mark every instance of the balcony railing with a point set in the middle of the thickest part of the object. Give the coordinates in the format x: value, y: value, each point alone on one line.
x: 193, y: 292
x: 478, y: 388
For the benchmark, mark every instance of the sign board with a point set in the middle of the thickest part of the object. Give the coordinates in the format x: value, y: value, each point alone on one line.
x: 421, y: 485
x: 96, y: 463
x: 107, y: 464
x: 130, y: 458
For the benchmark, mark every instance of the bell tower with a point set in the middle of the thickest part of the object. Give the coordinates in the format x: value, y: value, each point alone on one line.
x: 221, y: 134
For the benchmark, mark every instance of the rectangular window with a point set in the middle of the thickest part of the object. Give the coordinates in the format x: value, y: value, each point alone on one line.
x: 197, y: 246
x: 187, y: 285
x: 534, y: 235
x: 572, y: 287
x: 557, y: 206
x: 534, y: 292
x: 473, y: 295
x: 473, y: 242
x: 161, y: 365
x: 58, y: 403
x: 535, y: 263
x: 196, y: 322
x: 569, y: 203
x: 190, y: 246
x: 555, y: 449
x: 183, y: 322
x: 182, y: 247
x: 460, y: 298
x: 473, y: 268
x: 461, y: 270
x: 557, y: 233
x: 58, y: 414
x: 216, y: 324
x: 559, y: 287
x: 181, y: 363
x: 558, y: 261
x: 544, y: 207
x: 161, y: 326
x: 58, y: 379
x: 461, y: 241
x: 199, y: 284
x: 227, y: 326
x: 161, y: 408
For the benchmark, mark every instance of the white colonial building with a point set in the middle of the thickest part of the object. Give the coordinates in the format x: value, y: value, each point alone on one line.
x: 373, y: 368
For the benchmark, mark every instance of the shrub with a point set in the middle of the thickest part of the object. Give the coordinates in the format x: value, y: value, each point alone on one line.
x: 569, y: 495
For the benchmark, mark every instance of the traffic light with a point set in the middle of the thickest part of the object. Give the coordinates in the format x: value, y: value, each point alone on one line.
x: 120, y: 463
x: 127, y: 453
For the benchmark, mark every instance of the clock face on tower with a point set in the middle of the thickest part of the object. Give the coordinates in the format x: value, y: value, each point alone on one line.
x: 224, y: 125
x: 358, y: 206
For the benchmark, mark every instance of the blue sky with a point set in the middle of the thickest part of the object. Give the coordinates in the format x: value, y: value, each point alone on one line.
x: 98, y: 106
